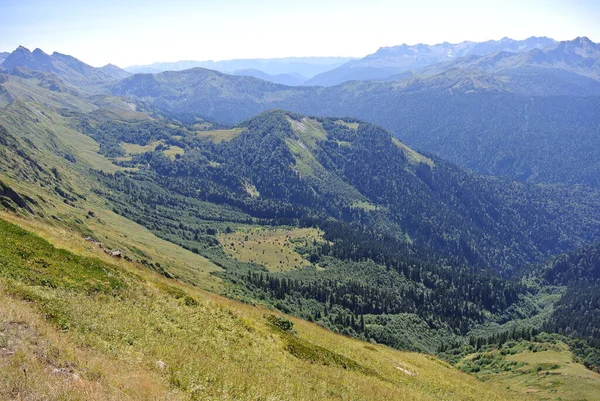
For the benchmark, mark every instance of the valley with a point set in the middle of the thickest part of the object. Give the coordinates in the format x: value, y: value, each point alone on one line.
x: 195, y: 235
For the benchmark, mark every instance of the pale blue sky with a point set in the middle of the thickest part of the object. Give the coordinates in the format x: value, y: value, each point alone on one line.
x: 140, y: 32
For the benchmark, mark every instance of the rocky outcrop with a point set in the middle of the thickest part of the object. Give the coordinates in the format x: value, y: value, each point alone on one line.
x: 11, y: 200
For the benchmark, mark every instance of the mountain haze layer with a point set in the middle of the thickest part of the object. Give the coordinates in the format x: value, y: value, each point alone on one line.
x: 305, y: 66
x: 388, y: 61
x: 290, y: 79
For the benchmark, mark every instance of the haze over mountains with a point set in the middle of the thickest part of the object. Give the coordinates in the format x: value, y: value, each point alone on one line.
x: 302, y: 67
x: 445, y: 200
x: 290, y: 79
x: 476, y: 111
x: 528, y: 116
x: 389, y: 61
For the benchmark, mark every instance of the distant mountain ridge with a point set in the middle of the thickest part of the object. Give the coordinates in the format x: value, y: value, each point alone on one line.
x: 3, y: 56
x: 511, y: 123
x: 580, y: 56
x: 291, y: 79
x: 566, y: 68
x: 528, y: 116
x: 388, y: 61
x: 305, y: 66
x: 69, y: 69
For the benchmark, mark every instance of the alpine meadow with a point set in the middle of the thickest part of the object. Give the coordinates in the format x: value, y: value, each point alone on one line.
x: 246, y: 209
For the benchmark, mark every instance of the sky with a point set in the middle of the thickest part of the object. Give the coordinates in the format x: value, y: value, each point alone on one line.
x: 145, y: 31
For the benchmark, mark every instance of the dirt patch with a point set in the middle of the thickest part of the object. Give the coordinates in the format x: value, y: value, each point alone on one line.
x: 406, y: 371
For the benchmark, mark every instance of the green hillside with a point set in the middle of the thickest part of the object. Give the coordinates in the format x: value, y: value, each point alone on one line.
x: 544, y: 368
x: 217, y: 230
x: 531, y: 117
x: 87, y: 327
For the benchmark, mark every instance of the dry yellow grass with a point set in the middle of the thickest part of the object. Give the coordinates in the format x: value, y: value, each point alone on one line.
x: 150, y: 342
x: 37, y: 362
x: 173, y: 151
x: 274, y: 248
x: 413, y: 155
x: 354, y: 126
x: 549, y: 374
x: 220, y: 135
x: 133, y: 149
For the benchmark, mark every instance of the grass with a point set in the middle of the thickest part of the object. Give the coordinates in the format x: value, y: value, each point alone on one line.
x: 220, y: 135
x: 544, y: 370
x: 354, y: 126
x: 153, y: 338
x: 274, y: 248
x: 173, y: 151
x: 251, y: 190
x: 368, y: 206
x: 133, y: 149
x: 28, y: 90
x: 412, y: 155
x: 50, y: 131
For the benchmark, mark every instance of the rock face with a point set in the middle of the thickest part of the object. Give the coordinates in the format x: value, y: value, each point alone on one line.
x: 11, y: 199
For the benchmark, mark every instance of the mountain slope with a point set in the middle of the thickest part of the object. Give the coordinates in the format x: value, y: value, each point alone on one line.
x: 531, y: 123
x: 578, y: 310
x: 114, y: 71
x: 305, y: 66
x: 580, y: 56
x: 223, y: 97
x: 120, y: 329
x: 67, y: 68
x: 430, y: 212
x: 314, y: 165
x: 389, y: 61
x: 575, y: 62
x: 331, y: 220
x: 283, y: 79
x: 100, y: 333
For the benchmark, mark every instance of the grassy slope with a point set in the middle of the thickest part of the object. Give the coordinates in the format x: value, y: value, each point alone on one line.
x: 51, y: 135
x: 100, y: 332
x: 108, y: 344
x: 273, y: 248
x: 220, y: 134
x: 543, y: 369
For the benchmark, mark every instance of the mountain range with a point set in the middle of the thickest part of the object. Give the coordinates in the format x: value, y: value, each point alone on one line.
x: 389, y: 61
x: 125, y: 198
x: 70, y: 70
x: 290, y: 79
x: 528, y: 116
x: 304, y: 66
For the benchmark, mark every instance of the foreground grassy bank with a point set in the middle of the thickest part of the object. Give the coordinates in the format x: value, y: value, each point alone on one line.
x: 82, y: 326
